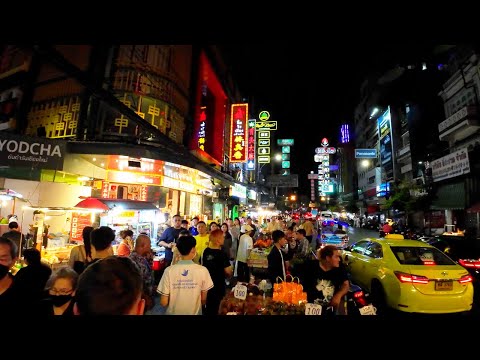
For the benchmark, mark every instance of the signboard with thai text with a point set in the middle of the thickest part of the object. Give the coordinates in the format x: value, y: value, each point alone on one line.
x: 451, y: 165
x: 27, y: 151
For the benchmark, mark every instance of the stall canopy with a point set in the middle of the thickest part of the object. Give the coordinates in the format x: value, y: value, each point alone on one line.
x: 109, y: 204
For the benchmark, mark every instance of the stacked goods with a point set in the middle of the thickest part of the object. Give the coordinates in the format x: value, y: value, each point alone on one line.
x: 258, y: 258
x: 289, y: 292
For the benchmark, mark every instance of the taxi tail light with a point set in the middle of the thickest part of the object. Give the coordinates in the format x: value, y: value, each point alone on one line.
x: 465, y: 279
x: 471, y: 264
x: 409, y: 278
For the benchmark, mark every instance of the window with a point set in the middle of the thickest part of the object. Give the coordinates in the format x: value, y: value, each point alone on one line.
x: 360, y: 246
x: 413, y: 255
x: 374, y: 250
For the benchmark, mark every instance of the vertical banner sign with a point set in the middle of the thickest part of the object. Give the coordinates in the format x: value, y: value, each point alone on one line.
x: 385, y: 143
x: 79, y: 221
x: 238, y: 133
x: 38, y: 223
x: 312, y: 190
x: 251, y: 144
x: 201, y: 132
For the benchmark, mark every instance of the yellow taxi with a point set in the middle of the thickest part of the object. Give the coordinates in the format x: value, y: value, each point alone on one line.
x: 409, y: 276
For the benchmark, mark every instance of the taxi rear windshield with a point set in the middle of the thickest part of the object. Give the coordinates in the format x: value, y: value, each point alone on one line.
x: 412, y: 255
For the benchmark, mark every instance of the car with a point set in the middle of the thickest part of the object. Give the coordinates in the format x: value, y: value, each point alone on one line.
x: 334, y: 234
x: 465, y: 251
x: 409, y: 276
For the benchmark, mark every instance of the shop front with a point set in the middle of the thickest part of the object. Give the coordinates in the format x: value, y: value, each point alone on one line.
x: 173, y: 188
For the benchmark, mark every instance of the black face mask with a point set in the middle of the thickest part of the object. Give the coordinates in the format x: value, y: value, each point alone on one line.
x: 59, y: 300
x: 3, y: 271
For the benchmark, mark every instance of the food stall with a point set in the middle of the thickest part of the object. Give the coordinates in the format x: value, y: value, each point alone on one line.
x: 60, y: 230
x: 120, y: 214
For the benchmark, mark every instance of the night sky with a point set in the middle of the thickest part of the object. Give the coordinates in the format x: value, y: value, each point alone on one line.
x: 311, y: 90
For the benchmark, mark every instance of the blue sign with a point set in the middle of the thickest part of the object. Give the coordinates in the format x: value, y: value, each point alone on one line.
x: 365, y: 153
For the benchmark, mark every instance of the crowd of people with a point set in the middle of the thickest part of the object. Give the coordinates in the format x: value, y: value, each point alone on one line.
x: 201, y: 264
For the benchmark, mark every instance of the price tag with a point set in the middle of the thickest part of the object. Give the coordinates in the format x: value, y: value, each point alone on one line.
x: 368, y: 310
x: 313, y: 309
x: 240, y: 292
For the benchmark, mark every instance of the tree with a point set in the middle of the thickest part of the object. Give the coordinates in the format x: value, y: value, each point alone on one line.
x: 409, y: 197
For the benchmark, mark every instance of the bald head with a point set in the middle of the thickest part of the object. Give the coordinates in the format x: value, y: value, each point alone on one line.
x: 142, y: 244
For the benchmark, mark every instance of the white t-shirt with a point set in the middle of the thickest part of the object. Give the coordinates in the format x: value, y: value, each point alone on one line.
x: 184, y: 283
x: 245, y: 244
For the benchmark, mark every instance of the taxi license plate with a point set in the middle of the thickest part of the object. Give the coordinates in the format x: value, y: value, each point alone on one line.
x: 444, y: 285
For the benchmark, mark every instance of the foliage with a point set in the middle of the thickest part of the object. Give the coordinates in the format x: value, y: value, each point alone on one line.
x: 402, y: 197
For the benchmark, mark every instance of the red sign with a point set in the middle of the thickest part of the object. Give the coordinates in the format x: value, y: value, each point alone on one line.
x: 238, y: 133
x: 79, y: 221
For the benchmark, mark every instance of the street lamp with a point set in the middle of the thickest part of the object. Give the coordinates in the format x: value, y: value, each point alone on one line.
x: 276, y: 157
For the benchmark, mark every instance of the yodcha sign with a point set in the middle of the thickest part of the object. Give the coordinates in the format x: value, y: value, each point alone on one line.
x: 26, y: 151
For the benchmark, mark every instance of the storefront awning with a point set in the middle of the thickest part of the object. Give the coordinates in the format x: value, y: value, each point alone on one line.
x: 450, y: 197
x: 109, y: 204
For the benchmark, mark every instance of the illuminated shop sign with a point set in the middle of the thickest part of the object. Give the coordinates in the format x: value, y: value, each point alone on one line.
x: 238, y: 139
x: 201, y: 131
x: 266, y: 125
x: 132, y: 178
x: 178, y: 173
x: 239, y: 191
x: 345, y: 134
x: 383, y: 189
x: 177, y: 184
x: 252, y: 194
x: 251, y: 144
x: 31, y: 152
x: 264, y: 115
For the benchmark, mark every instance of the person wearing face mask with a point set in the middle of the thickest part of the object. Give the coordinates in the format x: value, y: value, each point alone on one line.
x: 61, y: 290
x: 8, y: 294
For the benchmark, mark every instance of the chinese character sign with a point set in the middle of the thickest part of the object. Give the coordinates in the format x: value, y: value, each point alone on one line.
x: 238, y: 133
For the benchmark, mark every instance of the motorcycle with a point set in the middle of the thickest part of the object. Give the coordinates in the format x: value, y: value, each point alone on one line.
x: 357, y: 302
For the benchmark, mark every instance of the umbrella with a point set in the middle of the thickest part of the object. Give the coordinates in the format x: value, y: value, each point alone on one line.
x: 92, y: 203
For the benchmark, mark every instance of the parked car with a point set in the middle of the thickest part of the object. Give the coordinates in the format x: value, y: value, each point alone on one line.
x: 409, y: 276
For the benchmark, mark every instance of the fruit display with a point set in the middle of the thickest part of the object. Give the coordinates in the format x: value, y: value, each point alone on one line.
x: 289, y: 292
x: 258, y: 258
x: 263, y: 243
x: 256, y: 303
x: 252, y: 305
x: 280, y: 308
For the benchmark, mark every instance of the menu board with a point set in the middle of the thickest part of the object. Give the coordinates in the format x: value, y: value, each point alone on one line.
x: 79, y: 221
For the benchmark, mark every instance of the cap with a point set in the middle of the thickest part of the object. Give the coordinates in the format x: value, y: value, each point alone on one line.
x: 246, y: 228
